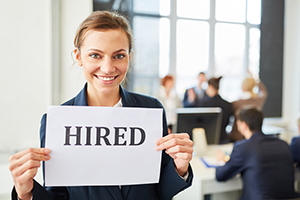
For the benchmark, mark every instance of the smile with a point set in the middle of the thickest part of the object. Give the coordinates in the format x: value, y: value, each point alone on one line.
x: 105, y: 78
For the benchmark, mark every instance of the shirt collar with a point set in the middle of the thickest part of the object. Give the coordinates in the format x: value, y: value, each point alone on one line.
x: 119, y: 104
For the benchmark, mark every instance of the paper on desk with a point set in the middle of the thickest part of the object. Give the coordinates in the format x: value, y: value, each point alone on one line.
x: 211, y: 161
x: 102, y: 145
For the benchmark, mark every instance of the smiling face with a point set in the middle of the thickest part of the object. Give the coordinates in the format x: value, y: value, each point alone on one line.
x: 104, y: 57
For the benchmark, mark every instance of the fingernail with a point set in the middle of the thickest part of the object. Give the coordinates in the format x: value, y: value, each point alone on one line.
x: 47, y: 157
x: 47, y: 150
x: 157, y: 148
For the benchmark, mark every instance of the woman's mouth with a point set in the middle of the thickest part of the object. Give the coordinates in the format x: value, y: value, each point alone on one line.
x: 106, y: 78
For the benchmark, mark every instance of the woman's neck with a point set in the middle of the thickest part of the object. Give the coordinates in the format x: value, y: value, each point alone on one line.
x: 167, y: 91
x: 100, y: 99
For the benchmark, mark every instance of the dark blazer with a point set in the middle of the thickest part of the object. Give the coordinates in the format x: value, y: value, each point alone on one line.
x: 295, y: 148
x: 170, y: 182
x: 266, y: 166
x: 227, y: 111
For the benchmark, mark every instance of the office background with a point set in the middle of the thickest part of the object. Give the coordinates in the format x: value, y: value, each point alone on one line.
x: 37, y: 68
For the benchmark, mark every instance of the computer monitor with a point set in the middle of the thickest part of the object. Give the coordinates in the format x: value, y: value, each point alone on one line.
x: 209, y: 118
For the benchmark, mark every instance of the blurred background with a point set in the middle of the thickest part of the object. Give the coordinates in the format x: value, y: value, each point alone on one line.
x: 180, y: 37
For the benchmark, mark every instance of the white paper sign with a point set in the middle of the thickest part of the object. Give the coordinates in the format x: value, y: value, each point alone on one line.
x: 102, y: 145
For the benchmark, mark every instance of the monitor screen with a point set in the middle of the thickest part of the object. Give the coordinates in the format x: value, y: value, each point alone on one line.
x: 208, y: 118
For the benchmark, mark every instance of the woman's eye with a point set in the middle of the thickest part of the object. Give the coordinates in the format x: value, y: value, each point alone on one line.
x: 94, y: 55
x: 119, y: 56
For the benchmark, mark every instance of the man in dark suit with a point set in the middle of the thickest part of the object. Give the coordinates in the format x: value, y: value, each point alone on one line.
x: 264, y: 162
x: 295, y: 146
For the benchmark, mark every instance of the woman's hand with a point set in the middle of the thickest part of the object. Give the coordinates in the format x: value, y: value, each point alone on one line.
x: 180, y: 148
x: 24, y: 166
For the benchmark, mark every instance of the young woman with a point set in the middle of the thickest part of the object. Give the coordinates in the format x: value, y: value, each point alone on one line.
x: 248, y: 98
x: 103, y: 47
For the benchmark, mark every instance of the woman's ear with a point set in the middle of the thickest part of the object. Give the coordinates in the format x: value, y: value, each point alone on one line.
x: 78, y: 57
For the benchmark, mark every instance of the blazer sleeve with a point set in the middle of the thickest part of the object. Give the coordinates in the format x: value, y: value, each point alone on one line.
x: 233, y: 166
x: 170, y: 182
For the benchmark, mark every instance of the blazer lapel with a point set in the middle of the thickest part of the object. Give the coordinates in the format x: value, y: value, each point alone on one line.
x: 81, y: 99
x: 127, y: 99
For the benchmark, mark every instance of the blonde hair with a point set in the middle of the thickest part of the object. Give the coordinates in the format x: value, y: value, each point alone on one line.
x: 248, y: 85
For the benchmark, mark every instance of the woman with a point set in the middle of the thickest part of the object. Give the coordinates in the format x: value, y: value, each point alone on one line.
x: 169, y: 99
x: 249, y: 99
x: 103, y: 47
x: 216, y: 100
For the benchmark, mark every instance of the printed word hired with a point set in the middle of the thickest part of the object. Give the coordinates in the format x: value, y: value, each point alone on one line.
x: 103, y: 133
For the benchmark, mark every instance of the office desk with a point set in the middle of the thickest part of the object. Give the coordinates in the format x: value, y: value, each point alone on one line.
x: 205, y: 183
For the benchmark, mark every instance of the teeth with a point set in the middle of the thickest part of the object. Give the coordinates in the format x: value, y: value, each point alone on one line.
x: 106, y: 78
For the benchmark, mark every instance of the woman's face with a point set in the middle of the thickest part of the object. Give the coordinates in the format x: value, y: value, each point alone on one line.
x: 104, y: 57
x: 169, y: 84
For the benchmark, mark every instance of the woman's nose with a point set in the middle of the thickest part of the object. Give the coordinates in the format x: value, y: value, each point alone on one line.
x: 107, y: 66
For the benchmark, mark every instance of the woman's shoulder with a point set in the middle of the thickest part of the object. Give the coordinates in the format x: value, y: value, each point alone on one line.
x: 139, y: 100
x: 69, y: 102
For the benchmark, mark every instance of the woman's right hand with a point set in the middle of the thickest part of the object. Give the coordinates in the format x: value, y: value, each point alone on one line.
x: 24, y: 166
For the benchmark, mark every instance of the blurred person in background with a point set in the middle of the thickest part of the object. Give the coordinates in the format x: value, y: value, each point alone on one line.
x: 248, y: 98
x: 215, y: 100
x: 264, y: 162
x: 169, y: 99
x: 193, y: 96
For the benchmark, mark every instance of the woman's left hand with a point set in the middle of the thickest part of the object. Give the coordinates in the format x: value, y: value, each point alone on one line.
x: 180, y: 148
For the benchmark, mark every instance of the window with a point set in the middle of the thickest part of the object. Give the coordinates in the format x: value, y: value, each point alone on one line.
x: 184, y: 37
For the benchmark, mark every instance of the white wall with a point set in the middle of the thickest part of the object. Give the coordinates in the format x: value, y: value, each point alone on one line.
x: 24, y: 70
x: 73, y: 13
x: 27, y: 62
x: 291, y: 76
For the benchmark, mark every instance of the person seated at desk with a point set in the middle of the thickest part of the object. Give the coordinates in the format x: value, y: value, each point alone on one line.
x: 216, y: 100
x: 295, y: 145
x: 193, y: 96
x: 264, y: 162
